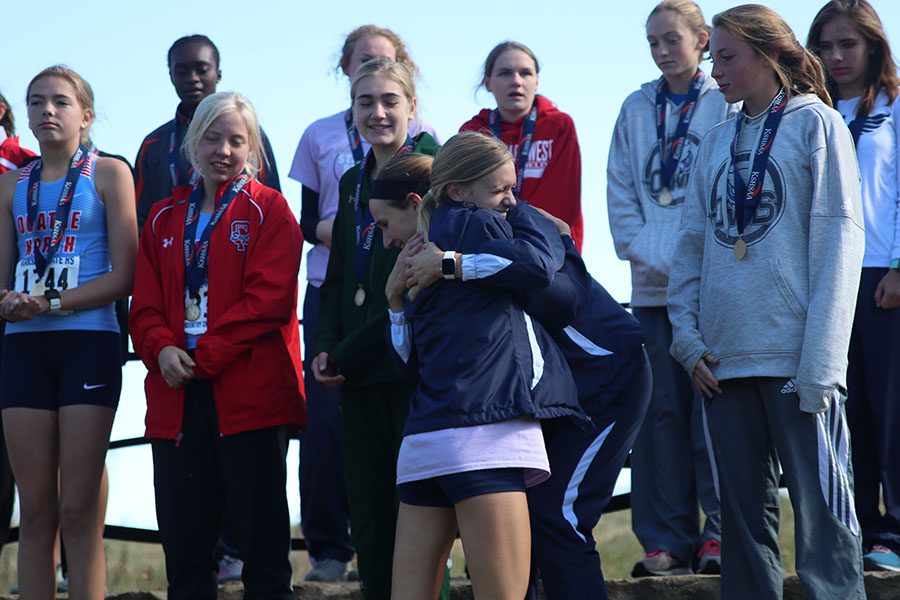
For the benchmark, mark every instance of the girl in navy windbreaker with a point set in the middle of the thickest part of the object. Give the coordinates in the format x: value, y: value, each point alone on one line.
x: 487, y: 372
x: 602, y: 345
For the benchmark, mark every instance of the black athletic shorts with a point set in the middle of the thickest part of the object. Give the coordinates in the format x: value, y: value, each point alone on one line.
x: 50, y: 369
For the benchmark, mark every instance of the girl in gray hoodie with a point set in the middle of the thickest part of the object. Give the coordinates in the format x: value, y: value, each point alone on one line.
x: 761, y: 297
x: 653, y: 152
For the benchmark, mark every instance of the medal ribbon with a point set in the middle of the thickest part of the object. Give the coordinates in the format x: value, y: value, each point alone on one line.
x: 353, y: 137
x: 745, y: 194
x: 195, y: 255
x: 526, y: 137
x: 670, y: 154
x: 175, y: 156
x: 79, y: 165
x: 365, y: 223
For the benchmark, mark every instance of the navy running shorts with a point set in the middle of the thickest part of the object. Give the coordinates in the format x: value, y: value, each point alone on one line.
x: 446, y: 490
x: 50, y: 369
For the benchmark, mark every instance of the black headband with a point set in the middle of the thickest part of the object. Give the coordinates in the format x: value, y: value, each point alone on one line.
x: 395, y: 189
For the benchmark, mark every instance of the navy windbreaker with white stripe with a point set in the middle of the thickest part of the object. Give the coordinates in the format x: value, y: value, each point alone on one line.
x: 601, y: 342
x: 482, y: 359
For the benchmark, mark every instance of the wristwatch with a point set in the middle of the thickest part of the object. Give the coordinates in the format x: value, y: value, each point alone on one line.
x: 448, y: 265
x: 52, y: 296
x: 895, y: 264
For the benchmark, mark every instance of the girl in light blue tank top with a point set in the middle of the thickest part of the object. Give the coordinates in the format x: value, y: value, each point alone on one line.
x: 70, y: 231
x: 82, y: 256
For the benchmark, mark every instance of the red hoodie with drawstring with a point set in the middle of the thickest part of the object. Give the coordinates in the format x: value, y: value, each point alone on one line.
x: 552, y: 179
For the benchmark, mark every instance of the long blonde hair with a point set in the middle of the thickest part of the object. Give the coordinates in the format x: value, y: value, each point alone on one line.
x: 465, y: 158
x: 797, y: 69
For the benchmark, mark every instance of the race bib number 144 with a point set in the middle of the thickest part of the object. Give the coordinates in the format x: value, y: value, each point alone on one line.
x: 61, y: 274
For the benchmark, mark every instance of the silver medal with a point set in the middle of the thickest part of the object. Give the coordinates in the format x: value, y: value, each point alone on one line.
x: 360, y: 297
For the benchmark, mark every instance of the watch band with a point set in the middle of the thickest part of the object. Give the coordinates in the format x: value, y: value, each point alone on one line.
x: 52, y: 296
x: 448, y: 265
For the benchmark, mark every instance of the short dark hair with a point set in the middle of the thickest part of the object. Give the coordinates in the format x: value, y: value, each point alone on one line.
x: 190, y: 39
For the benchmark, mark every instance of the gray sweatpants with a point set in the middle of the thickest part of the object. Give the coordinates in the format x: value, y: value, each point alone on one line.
x: 755, y: 423
x: 670, y: 470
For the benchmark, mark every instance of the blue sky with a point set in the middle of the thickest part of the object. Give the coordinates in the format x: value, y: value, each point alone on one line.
x: 282, y: 54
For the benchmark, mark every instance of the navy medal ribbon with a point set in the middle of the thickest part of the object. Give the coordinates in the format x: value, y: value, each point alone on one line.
x: 526, y: 137
x: 353, y: 137
x: 670, y: 153
x: 196, y: 255
x: 79, y: 165
x: 746, y: 194
x: 365, y: 223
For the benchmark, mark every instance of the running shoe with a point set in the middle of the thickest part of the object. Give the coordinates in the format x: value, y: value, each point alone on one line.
x: 230, y: 569
x: 659, y: 564
x: 709, y: 558
x: 881, y: 558
x: 328, y: 570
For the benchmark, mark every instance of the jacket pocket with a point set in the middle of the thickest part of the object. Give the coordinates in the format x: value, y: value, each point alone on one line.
x: 787, y: 293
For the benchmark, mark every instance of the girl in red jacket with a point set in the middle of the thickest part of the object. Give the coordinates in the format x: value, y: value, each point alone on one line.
x: 540, y: 137
x: 12, y: 155
x: 214, y: 319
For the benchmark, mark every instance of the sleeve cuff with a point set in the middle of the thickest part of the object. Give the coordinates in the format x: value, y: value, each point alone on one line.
x: 482, y: 266
x: 401, y: 335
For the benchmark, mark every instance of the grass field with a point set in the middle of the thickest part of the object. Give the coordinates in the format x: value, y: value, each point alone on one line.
x: 139, y: 567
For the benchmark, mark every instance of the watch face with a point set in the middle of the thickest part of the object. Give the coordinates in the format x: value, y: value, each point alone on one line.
x: 448, y: 266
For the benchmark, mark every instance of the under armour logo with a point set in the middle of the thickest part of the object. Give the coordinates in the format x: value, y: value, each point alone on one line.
x: 168, y: 241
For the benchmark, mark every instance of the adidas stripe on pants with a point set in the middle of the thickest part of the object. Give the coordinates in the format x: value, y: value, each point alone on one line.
x: 755, y: 423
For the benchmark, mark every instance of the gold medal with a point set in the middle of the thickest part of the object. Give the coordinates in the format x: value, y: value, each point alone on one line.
x: 192, y: 311
x: 665, y: 196
x: 360, y: 297
x: 38, y: 288
x: 740, y: 249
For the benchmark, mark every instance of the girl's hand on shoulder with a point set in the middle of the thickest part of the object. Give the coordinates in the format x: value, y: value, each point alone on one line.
x: 176, y: 365
x: 887, y: 294
x: 561, y: 225
x: 705, y: 382
x: 17, y: 306
x: 396, y: 283
x: 424, y: 267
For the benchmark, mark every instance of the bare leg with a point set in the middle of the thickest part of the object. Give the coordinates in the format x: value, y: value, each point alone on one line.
x: 83, y: 438
x: 496, y: 538
x: 33, y: 445
x: 424, y: 537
